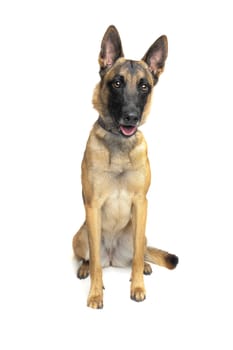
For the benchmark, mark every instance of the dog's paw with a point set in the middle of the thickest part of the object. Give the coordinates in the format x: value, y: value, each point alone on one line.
x: 147, y: 269
x: 83, y: 271
x: 95, y: 301
x: 95, y: 298
x: 138, y: 293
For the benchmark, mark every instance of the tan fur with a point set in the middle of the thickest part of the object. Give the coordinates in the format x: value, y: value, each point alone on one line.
x: 115, y: 180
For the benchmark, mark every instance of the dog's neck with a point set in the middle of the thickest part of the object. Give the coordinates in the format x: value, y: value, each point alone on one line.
x: 115, y: 141
x: 101, y: 123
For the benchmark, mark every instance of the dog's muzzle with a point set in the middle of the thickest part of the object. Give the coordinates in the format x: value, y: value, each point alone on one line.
x: 129, y: 123
x: 123, y: 128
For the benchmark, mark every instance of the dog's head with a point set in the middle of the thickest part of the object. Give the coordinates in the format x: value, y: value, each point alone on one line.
x: 123, y: 95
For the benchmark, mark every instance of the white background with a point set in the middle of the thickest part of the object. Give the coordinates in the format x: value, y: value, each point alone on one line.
x: 48, y: 69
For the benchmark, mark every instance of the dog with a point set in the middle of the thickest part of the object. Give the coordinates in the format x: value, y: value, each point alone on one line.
x: 116, y: 172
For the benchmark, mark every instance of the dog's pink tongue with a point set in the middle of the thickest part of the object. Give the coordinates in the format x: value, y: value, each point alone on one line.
x: 128, y: 130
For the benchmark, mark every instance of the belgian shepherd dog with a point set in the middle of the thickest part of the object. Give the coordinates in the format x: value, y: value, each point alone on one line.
x: 116, y: 172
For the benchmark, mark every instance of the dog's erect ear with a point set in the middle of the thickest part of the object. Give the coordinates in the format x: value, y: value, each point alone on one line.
x: 156, y: 56
x: 111, y: 48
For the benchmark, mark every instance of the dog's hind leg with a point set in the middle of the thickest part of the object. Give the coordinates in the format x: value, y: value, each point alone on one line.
x: 81, y: 251
x: 83, y: 270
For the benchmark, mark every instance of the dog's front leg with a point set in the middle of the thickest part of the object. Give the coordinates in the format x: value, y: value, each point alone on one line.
x: 95, y: 298
x: 138, y: 292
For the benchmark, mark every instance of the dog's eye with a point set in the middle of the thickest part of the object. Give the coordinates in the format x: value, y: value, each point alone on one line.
x: 144, y: 88
x: 116, y: 84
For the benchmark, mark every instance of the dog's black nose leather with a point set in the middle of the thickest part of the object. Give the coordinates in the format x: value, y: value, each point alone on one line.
x: 131, y: 118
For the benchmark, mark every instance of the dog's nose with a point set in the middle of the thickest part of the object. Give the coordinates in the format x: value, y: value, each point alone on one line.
x: 131, y: 118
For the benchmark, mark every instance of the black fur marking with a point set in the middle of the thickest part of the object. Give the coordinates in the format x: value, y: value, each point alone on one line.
x: 83, y: 197
x: 116, y: 99
x: 172, y: 260
x: 156, y: 78
x: 122, y: 99
x: 131, y: 66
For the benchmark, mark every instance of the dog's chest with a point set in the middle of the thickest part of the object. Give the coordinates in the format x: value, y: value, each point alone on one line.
x: 120, y: 179
x: 114, y: 174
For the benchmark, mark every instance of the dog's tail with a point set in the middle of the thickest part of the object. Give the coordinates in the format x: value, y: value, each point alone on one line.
x: 160, y: 257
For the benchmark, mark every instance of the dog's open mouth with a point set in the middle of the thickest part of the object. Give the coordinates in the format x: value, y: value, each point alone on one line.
x: 128, y: 130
